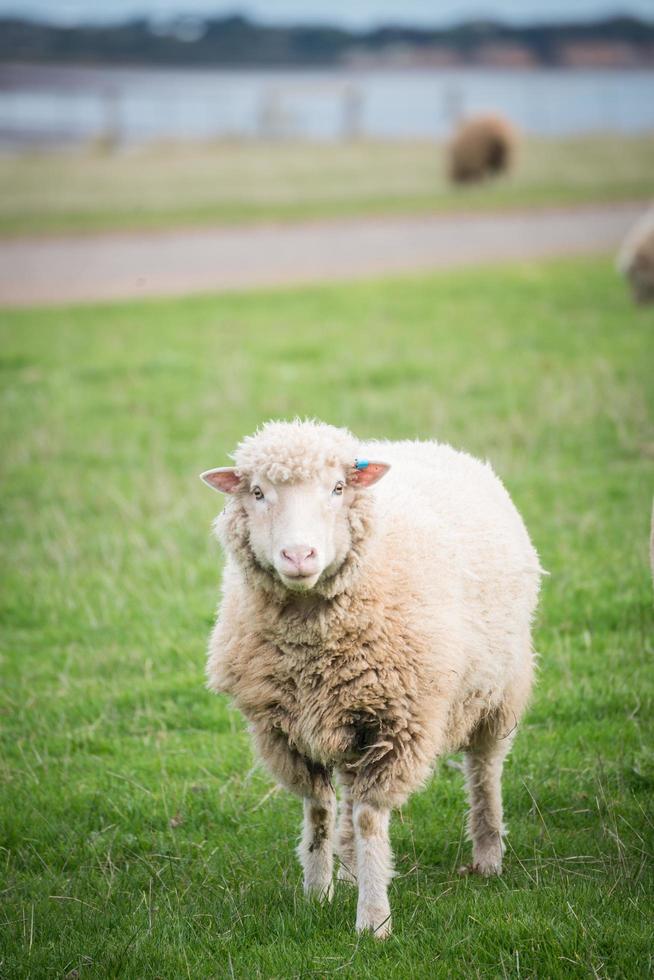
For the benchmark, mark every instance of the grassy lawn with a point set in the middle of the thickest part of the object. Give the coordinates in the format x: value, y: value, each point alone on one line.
x: 138, y: 837
x: 184, y: 185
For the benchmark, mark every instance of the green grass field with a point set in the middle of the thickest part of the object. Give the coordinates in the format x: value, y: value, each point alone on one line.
x: 199, y: 184
x: 139, y: 839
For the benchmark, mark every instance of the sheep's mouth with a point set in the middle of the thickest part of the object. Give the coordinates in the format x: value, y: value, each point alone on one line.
x: 300, y: 582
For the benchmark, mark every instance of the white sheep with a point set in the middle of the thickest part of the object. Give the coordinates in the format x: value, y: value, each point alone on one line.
x: 366, y: 628
x: 636, y: 258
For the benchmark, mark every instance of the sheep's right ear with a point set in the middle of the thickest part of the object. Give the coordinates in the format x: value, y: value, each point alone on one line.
x: 224, y: 479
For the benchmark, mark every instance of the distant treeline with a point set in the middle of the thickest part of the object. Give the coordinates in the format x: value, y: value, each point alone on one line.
x: 237, y: 41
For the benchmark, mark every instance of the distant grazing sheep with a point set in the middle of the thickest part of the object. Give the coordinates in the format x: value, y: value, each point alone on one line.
x: 480, y: 148
x: 636, y: 259
x: 369, y: 626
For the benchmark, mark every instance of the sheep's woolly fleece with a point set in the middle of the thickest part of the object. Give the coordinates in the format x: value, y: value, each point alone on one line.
x: 482, y: 146
x: 640, y: 236
x: 636, y: 258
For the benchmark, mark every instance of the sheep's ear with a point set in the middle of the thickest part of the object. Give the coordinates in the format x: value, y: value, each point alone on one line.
x: 365, y: 472
x: 224, y: 479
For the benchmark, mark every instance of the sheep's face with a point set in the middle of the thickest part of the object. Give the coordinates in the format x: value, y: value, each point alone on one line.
x: 299, y: 531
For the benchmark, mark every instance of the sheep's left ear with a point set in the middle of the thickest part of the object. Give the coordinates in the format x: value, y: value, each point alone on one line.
x: 224, y: 479
x: 366, y: 473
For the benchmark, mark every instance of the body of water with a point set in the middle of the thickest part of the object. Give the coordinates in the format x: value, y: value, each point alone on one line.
x: 46, y: 105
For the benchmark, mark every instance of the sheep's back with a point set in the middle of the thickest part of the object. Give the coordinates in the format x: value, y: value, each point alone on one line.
x: 448, y: 494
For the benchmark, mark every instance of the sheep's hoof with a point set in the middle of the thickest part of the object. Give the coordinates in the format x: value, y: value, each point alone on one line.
x: 376, y: 921
x: 319, y: 893
x: 486, y: 868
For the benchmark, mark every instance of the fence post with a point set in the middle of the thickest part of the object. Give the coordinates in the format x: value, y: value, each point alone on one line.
x: 352, y: 109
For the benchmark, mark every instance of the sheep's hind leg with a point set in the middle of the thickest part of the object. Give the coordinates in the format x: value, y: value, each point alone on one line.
x: 374, y: 868
x: 483, y: 766
x: 316, y: 847
x: 345, y: 843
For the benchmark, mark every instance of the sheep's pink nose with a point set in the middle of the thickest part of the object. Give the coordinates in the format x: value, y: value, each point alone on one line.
x: 299, y: 557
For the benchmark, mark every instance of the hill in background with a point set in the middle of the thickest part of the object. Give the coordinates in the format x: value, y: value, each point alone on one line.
x: 620, y: 42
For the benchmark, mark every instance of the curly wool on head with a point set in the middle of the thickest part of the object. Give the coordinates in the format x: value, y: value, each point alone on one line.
x: 294, y: 452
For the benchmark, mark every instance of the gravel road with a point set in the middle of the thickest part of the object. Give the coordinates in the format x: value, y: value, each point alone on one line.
x: 74, y: 269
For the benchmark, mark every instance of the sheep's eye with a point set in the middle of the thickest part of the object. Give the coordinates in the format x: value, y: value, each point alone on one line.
x: 338, y: 489
x: 257, y: 493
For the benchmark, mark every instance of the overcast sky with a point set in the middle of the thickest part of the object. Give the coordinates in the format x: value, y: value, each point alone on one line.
x: 352, y: 13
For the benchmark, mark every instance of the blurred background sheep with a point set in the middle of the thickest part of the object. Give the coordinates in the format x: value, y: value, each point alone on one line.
x: 636, y: 259
x: 481, y: 147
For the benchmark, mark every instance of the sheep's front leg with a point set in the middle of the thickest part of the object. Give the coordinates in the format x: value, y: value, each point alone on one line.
x: 311, y: 781
x: 374, y: 868
x: 391, y: 767
x: 317, y: 846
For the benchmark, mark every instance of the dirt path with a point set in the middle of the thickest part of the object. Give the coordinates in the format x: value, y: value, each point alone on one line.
x: 119, y: 266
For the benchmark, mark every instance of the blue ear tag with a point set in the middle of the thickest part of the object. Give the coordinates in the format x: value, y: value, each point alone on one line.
x: 360, y: 464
